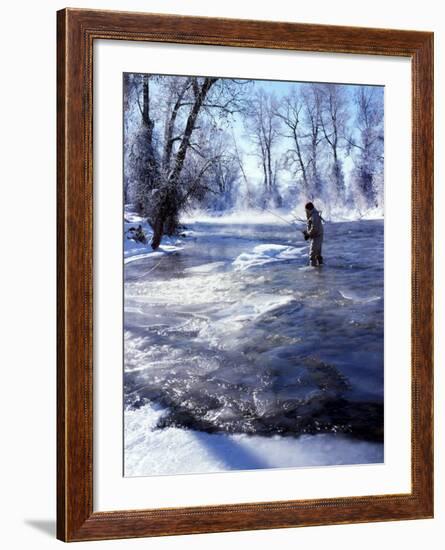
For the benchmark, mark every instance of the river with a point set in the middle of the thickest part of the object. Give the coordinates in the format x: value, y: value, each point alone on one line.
x: 233, y: 344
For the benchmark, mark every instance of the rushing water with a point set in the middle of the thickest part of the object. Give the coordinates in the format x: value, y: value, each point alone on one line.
x: 235, y: 334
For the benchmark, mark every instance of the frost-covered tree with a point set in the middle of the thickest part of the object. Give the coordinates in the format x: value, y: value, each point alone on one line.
x: 291, y: 113
x: 334, y: 114
x: 141, y: 173
x: 169, y: 167
x: 220, y: 144
x: 300, y: 113
x: 263, y: 127
x: 312, y: 100
x: 367, y: 146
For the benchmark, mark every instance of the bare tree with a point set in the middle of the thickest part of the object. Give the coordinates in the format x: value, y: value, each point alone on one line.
x: 300, y: 115
x: 290, y: 111
x: 333, y: 119
x: 263, y: 126
x: 312, y: 99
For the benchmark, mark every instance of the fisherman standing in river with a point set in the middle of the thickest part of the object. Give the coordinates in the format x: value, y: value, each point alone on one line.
x: 314, y: 233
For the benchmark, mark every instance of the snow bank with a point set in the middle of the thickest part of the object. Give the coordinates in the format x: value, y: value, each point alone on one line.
x: 134, y: 250
x: 150, y: 451
x: 265, y: 254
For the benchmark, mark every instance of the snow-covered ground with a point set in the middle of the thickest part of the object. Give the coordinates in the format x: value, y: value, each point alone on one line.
x: 150, y: 451
x: 134, y: 250
x: 239, y: 356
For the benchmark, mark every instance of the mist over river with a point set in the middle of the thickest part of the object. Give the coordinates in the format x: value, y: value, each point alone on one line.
x: 240, y: 356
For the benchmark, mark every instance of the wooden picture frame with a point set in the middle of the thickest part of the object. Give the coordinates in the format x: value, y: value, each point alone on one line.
x: 77, y: 31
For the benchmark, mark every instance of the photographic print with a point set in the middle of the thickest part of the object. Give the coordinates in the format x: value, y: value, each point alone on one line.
x: 253, y: 265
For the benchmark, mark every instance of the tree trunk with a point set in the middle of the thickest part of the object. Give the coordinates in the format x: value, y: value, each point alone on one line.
x: 158, y: 230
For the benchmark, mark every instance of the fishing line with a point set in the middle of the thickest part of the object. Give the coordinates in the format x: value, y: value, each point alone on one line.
x: 157, y: 264
x: 164, y: 255
x: 292, y: 223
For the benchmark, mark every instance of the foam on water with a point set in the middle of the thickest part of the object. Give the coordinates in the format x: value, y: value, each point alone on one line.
x: 266, y: 253
x: 355, y: 298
